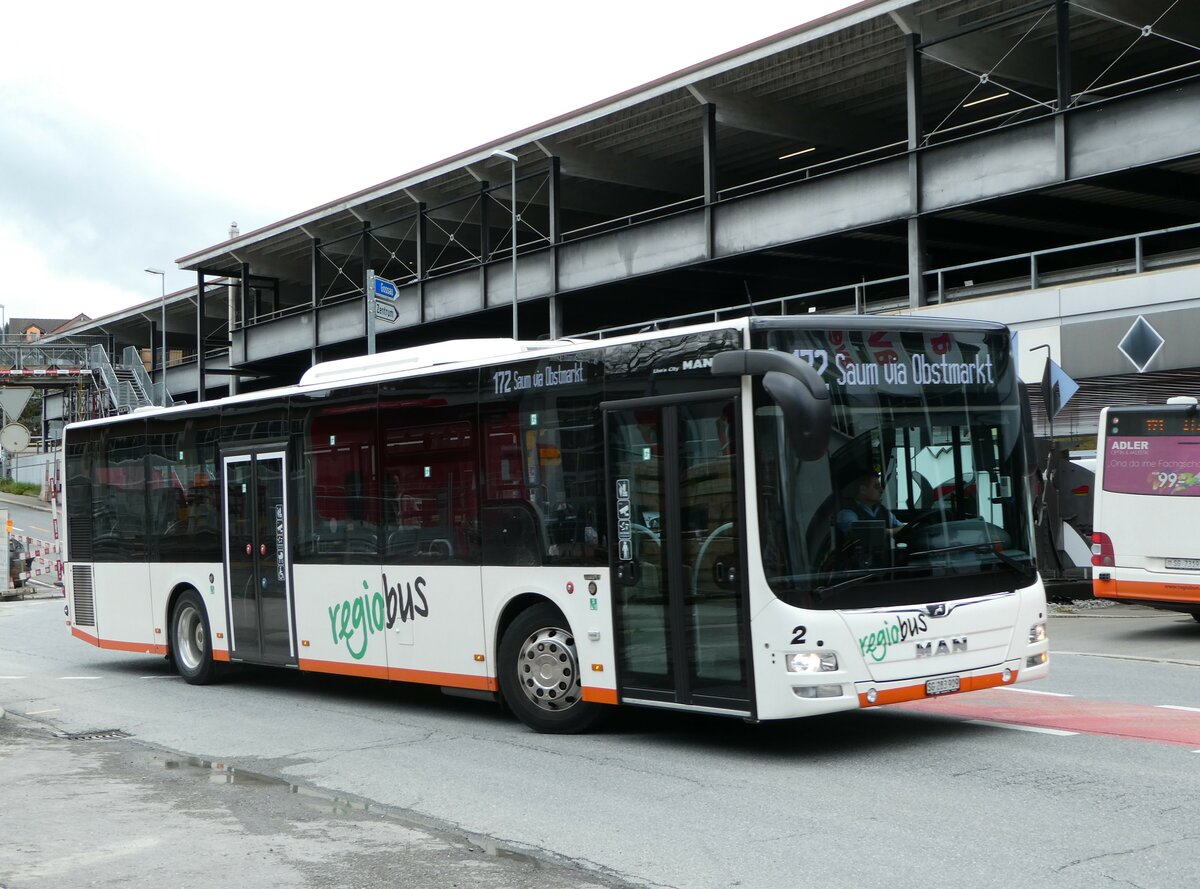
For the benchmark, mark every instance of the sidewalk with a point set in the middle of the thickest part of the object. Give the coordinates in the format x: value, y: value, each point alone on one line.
x: 1105, y: 608
x: 24, y: 500
x: 32, y: 591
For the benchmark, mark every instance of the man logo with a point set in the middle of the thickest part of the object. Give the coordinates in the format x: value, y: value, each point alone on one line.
x: 938, y: 610
x: 697, y: 363
x: 941, y: 646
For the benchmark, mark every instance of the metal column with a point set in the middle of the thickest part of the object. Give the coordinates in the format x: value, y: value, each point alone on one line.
x: 916, y: 225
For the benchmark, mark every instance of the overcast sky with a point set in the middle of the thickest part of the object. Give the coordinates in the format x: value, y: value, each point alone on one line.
x: 134, y: 133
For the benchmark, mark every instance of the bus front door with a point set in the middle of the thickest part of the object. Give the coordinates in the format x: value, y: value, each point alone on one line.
x: 257, y: 558
x: 676, y: 553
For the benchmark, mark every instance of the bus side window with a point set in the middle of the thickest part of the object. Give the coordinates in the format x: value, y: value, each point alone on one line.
x: 121, y: 500
x: 430, y: 471
x: 545, y: 451
x: 339, y: 523
x: 512, y: 534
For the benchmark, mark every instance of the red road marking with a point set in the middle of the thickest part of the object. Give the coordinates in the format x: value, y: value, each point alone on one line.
x: 1136, y: 721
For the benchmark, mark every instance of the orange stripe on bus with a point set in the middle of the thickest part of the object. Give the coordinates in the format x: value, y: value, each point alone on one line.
x: 600, y: 695
x: 86, y: 637
x: 1148, y: 590
x: 425, y: 677
x: 917, y: 692
x: 139, y: 647
x: 367, y: 670
x: 451, y: 680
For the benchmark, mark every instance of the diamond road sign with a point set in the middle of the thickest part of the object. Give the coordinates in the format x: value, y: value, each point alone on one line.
x: 1141, y: 344
x: 1057, y: 388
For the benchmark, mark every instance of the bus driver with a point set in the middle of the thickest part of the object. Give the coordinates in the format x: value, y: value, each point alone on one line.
x: 866, y: 527
x: 866, y: 506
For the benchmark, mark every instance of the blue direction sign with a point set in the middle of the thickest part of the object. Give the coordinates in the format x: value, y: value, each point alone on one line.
x: 385, y: 289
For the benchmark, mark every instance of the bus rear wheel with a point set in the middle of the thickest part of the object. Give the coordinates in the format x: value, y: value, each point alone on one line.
x: 191, y: 640
x: 539, y: 673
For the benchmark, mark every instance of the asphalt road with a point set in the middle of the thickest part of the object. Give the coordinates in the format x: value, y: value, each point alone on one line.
x: 1088, y: 778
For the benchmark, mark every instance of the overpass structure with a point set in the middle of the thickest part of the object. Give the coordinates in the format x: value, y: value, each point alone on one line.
x: 78, y: 377
x: 1035, y: 162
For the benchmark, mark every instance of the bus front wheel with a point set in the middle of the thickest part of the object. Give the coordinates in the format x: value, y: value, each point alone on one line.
x: 191, y: 640
x: 539, y: 673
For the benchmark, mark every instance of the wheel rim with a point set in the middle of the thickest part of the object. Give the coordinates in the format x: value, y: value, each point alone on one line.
x: 548, y: 670
x: 190, y: 639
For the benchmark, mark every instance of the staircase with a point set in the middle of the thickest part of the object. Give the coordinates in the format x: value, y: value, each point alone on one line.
x: 127, y: 382
x: 126, y: 386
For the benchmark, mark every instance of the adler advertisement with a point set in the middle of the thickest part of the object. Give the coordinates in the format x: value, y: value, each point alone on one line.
x: 1166, y: 465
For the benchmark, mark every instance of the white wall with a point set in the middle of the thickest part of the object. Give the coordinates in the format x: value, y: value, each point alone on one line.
x: 30, y: 467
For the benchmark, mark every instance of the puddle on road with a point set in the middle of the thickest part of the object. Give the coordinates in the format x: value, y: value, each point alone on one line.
x: 220, y: 773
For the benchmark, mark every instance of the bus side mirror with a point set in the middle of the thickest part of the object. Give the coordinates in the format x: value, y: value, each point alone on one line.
x: 799, y: 391
x: 809, y: 419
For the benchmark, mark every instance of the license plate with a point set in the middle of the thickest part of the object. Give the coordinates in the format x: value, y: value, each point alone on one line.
x: 1190, y: 564
x: 943, y: 685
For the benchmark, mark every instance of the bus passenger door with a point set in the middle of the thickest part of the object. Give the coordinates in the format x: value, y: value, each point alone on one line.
x: 676, y: 553
x: 258, y: 558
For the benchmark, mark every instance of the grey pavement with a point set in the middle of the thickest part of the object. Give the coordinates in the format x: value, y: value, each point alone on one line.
x: 1091, y: 607
x: 114, y: 813
x: 24, y: 500
x: 33, y: 590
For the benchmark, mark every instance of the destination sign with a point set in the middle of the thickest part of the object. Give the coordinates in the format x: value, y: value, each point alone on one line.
x: 548, y: 377
x: 898, y: 361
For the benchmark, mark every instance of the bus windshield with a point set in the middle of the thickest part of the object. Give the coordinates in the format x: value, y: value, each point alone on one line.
x: 921, y: 495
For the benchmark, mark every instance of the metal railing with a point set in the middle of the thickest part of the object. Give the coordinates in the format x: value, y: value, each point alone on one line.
x: 122, y: 395
x: 131, y: 358
x: 18, y: 353
x: 864, y: 298
x: 1134, y: 261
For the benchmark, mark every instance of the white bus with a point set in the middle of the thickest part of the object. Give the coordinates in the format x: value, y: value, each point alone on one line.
x: 1145, y: 547
x: 655, y: 520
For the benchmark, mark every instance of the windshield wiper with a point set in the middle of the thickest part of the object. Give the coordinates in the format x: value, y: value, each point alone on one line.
x: 981, y: 548
x: 822, y: 591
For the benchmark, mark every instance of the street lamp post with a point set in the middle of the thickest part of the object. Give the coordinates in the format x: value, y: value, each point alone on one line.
x: 162, y: 361
x: 512, y: 159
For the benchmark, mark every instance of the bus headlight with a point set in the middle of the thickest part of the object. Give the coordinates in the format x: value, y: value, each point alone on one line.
x: 812, y: 662
x: 1037, y: 633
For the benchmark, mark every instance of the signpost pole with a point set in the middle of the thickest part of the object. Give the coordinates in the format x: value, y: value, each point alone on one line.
x: 8, y: 584
x: 369, y: 303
